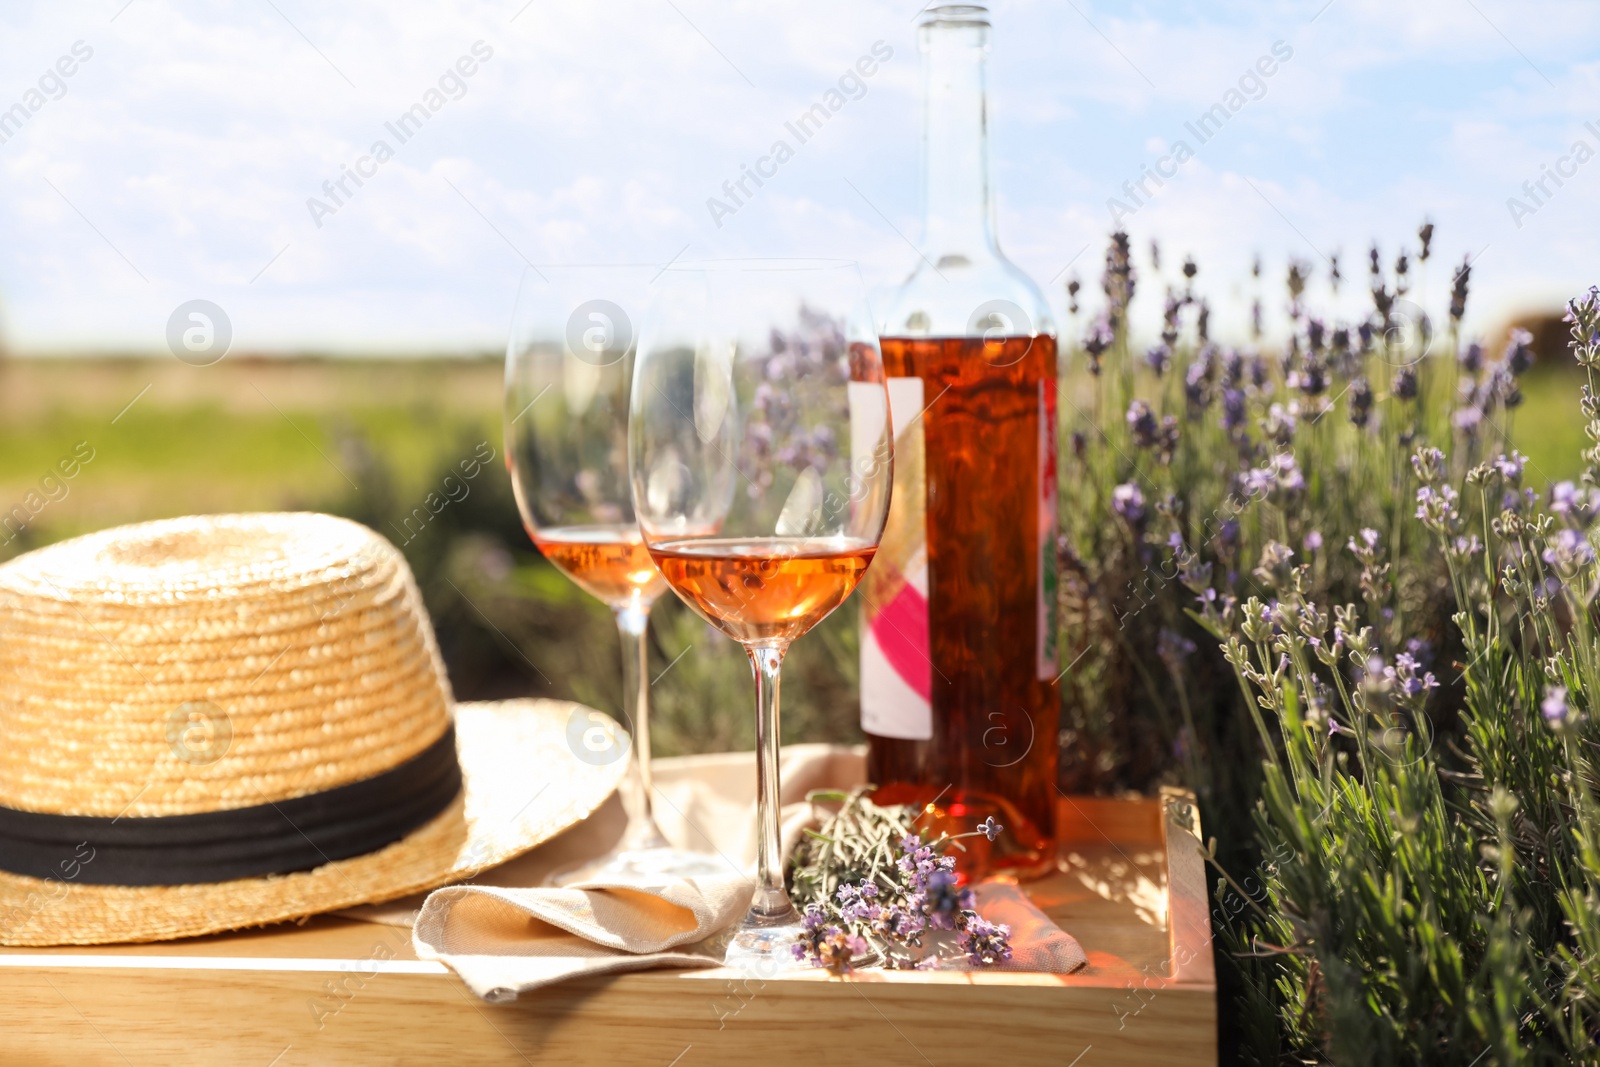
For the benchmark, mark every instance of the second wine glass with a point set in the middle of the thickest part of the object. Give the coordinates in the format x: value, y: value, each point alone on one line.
x: 761, y: 465
x: 568, y: 370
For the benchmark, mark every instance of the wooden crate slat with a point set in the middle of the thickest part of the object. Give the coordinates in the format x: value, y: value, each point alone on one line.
x: 336, y: 991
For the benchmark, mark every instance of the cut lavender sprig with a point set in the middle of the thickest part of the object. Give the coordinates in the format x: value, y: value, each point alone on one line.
x: 899, y: 888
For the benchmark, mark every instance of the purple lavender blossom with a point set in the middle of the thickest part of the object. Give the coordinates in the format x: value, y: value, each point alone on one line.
x: 985, y: 943
x: 1510, y: 467
x: 1311, y: 377
x: 1584, y: 315
x: 1430, y: 464
x: 1554, y: 707
x: 1128, y: 502
x: 1563, y: 495
x: 1281, y: 422
x: 1437, y: 507
x: 1467, y: 419
x: 1472, y: 358
x: 1096, y: 341
x: 1568, y: 551
x: 1503, y: 384
x: 1313, y: 541
x: 1403, y: 676
x: 989, y: 828
x: 1360, y: 402
x: 1196, y: 386
x: 944, y: 899
x: 1577, y: 506
x: 1519, y: 351
x: 1159, y: 357
x: 1142, y: 424
x: 1287, y: 471
x: 1233, y: 409
x: 1174, y: 649
x: 1232, y: 368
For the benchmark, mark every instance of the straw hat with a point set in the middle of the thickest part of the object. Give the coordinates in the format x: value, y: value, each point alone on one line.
x: 223, y: 721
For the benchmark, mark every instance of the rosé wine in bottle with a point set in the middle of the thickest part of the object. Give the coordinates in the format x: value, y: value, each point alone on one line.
x: 959, y: 679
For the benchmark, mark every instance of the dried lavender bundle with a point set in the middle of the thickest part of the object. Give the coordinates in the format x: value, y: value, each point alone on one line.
x: 874, y: 893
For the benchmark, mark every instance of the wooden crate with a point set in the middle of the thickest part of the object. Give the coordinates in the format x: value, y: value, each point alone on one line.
x: 335, y: 991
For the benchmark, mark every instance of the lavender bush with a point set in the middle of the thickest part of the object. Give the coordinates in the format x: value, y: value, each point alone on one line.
x: 1313, y: 585
x: 1429, y: 903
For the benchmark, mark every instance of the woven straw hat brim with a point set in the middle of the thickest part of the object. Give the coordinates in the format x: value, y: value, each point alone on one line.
x: 523, y: 785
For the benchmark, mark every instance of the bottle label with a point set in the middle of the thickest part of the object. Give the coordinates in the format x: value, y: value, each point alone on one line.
x: 896, y: 654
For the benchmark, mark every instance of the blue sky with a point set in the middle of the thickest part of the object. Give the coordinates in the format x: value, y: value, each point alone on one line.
x: 177, y: 160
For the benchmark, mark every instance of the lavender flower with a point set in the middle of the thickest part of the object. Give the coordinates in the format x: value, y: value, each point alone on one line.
x: 1096, y: 341
x: 1311, y: 378
x: 1584, y: 315
x: 1174, y: 649
x: 1467, y: 419
x: 1458, y: 290
x: 1502, y: 384
x: 1233, y: 409
x: 1232, y: 368
x: 1366, y: 549
x: 989, y: 828
x: 826, y: 944
x: 1158, y: 357
x: 1519, y: 351
x: 1577, y: 506
x: 1437, y: 508
x: 1472, y: 358
x: 1118, y: 279
x: 985, y: 943
x: 1128, y: 502
x: 1167, y: 439
x: 1510, y: 467
x: 944, y: 900
x: 1404, y: 679
x: 1360, y: 402
x: 1277, y: 562
x: 1568, y: 551
x: 1554, y: 706
x: 1197, y: 380
x: 1404, y: 386
x: 1279, y: 478
x: 1142, y: 424
x: 1280, y: 423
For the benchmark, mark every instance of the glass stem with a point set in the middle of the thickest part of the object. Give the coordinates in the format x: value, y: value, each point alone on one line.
x: 771, y: 903
x: 638, y: 797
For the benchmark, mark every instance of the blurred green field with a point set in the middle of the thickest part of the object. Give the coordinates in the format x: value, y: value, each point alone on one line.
x: 1548, y: 427
x: 368, y: 439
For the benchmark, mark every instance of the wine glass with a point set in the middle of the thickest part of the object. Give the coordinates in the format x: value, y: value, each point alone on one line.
x: 761, y: 462
x: 568, y: 368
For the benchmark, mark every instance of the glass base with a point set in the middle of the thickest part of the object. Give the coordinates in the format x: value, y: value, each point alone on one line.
x: 640, y: 865
x: 764, y: 951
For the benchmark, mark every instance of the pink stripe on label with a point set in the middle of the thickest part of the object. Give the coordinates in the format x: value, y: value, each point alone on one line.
x: 901, y: 630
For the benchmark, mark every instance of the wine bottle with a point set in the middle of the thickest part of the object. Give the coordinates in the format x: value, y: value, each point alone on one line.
x: 959, y: 680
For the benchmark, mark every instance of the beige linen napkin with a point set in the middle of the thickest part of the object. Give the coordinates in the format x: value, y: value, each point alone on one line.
x: 506, y: 941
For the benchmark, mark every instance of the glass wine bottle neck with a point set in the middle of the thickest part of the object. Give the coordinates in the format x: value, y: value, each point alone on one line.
x: 954, y: 40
